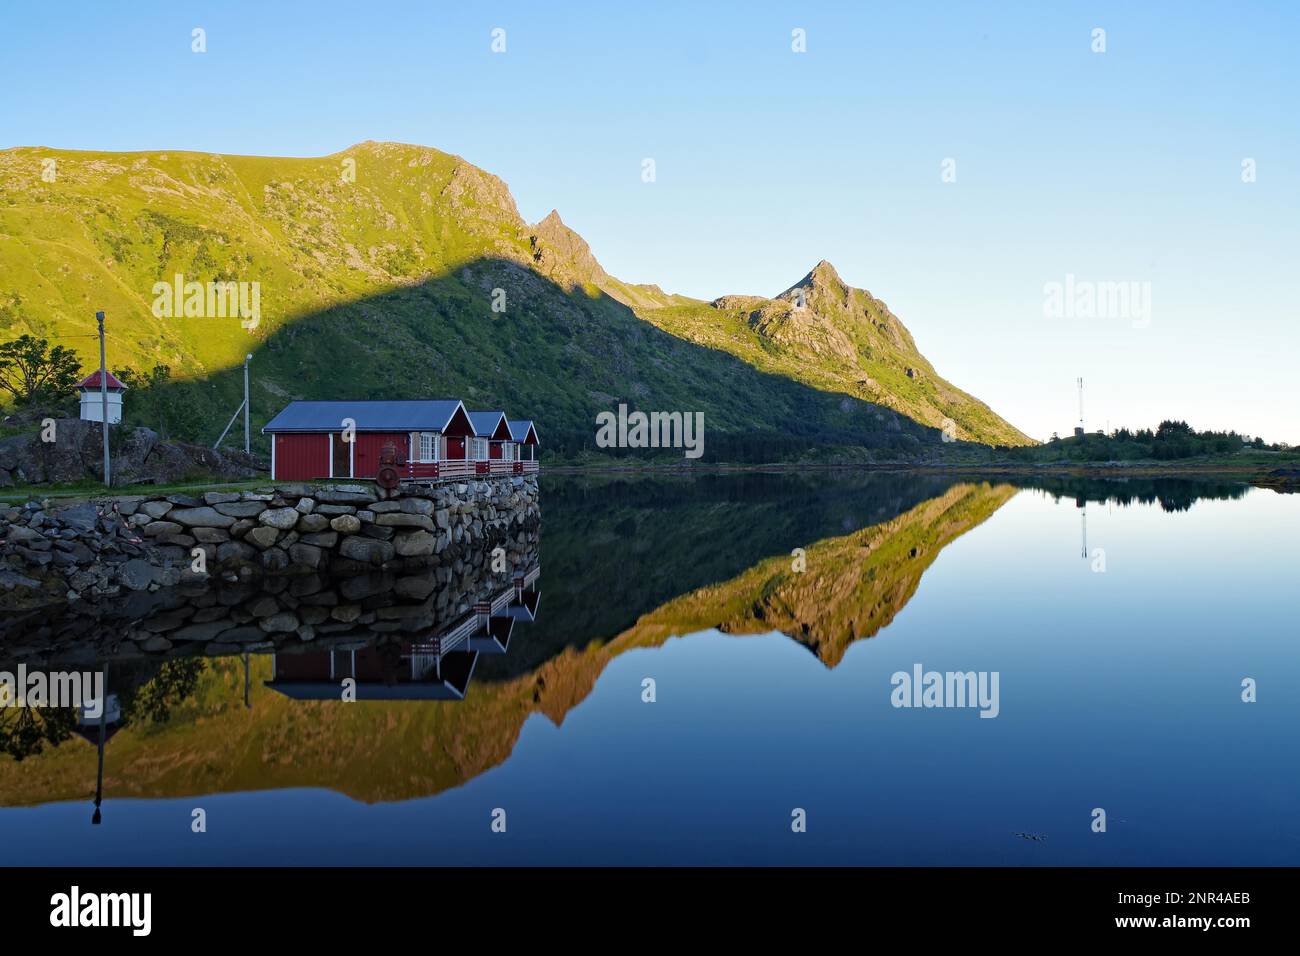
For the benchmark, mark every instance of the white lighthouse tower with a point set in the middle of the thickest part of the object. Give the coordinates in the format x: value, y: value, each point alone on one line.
x: 92, y: 402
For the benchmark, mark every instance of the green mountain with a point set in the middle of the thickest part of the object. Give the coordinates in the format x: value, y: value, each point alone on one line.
x: 390, y: 270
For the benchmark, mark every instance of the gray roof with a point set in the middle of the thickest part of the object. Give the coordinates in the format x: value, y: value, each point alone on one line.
x: 370, y: 416
x: 485, y: 423
x: 519, y: 429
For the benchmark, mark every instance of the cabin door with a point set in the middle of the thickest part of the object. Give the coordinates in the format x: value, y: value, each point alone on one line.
x: 342, y: 457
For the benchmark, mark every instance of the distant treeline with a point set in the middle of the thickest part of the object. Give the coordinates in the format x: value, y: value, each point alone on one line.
x: 1172, y: 440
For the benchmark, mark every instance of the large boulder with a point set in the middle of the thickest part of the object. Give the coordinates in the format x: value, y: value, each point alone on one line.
x: 263, y: 536
x: 413, y: 545
x: 137, y: 574
x: 368, y: 550
x: 241, y: 509
x: 82, y: 518
x: 346, y: 524
x: 310, y: 522
x: 400, y: 519
x: 155, y: 528
x: 305, y: 555
x: 203, y: 517
x: 282, y: 518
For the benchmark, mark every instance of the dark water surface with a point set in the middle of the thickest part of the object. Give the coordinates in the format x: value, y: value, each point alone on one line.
x: 1119, y: 689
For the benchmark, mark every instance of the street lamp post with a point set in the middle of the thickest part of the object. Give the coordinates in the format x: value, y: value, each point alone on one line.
x: 103, y: 395
x: 247, y: 358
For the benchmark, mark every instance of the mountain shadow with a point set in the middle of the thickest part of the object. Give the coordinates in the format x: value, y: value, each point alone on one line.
x: 556, y: 356
x: 390, y: 269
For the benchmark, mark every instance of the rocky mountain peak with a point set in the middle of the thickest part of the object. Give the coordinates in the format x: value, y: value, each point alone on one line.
x: 824, y: 273
x: 563, y: 254
x: 822, y: 278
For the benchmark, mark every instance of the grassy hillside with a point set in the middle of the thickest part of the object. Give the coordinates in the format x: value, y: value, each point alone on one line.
x: 837, y: 338
x: 378, y: 268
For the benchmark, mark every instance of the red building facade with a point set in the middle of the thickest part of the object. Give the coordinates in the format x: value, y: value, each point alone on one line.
x: 421, y: 439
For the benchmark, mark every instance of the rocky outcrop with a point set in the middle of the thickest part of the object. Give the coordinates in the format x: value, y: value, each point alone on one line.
x: 139, y: 456
x: 139, y: 543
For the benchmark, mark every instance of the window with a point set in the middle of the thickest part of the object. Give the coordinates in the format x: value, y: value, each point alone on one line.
x: 509, y: 451
x: 430, y: 446
x: 478, y: 449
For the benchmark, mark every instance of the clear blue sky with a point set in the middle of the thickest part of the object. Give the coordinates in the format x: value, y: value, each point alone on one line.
x: 1120, y: 166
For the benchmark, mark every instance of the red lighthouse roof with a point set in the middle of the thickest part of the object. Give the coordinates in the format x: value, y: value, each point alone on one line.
x: 91, y: 381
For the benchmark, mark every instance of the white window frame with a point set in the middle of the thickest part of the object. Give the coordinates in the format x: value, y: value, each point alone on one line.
x: 430, y: 441
x: 509, y: 451
x: 478, y: 449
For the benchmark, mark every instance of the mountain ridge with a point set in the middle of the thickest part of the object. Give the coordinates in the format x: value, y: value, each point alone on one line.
x: 393, y: 253
x: 820, y: 319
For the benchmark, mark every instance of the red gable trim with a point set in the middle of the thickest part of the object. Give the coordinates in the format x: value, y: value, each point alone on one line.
x: 459, y: 424
x: 92, y: 381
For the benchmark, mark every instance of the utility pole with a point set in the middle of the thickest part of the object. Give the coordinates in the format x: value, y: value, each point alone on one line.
x: 103, y: 396
x: 97, y: 816
x: 247, y: 358
x: 1080, y: 402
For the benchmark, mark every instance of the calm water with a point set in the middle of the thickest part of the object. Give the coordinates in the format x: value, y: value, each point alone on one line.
x: 1118, y: 689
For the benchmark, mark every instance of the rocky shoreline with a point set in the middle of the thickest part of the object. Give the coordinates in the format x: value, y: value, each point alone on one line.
x: 143, y: 543
x: 140, y: 456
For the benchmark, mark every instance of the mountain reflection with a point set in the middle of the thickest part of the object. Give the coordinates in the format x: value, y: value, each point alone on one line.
x: 248, y: 685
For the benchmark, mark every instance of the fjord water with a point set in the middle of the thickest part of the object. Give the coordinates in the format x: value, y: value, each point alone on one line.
x: 1119, y: 689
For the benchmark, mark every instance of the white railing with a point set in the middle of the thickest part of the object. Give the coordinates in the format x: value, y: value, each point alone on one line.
x: 459, y: 468
x: 462, y: 632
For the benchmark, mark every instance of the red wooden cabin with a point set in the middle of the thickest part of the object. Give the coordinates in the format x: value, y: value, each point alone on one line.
x: 423, y: 439
x: 494, y: 449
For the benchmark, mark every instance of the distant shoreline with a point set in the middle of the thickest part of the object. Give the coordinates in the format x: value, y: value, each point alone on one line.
x: 1285, y: 477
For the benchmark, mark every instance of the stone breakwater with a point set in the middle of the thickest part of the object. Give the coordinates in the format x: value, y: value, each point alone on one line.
x: 139, y: 543
x: 262, y: 613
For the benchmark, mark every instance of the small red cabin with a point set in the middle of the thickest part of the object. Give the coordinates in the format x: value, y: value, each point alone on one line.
x: 422, y: 439
x: 524, y: 434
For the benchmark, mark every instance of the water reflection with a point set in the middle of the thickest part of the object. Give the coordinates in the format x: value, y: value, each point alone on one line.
x: 1172, y: 494
x: 437, y: 665
x: 241, y: 686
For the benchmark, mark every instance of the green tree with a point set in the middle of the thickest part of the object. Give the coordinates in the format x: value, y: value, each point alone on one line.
x: 33, y: 372
x: 24, y: 731
x: 141, y: 381
x: 152, y: 702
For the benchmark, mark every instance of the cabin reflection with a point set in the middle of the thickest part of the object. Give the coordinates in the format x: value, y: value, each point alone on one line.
x: 436, y: 665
